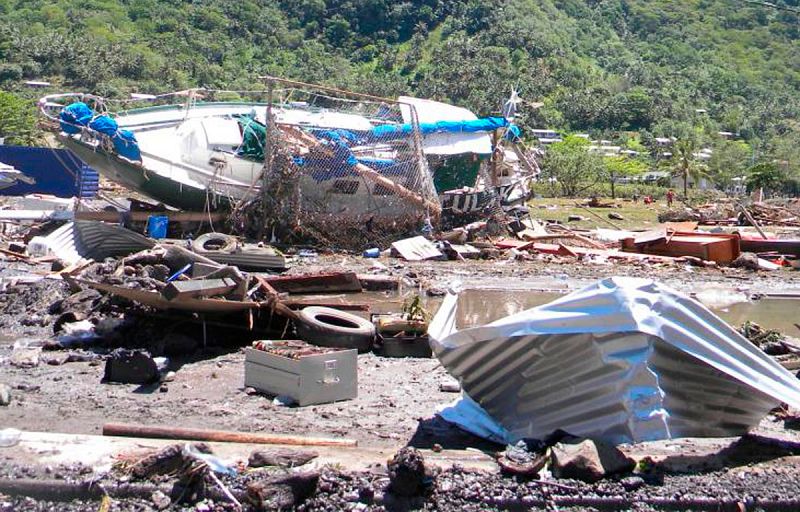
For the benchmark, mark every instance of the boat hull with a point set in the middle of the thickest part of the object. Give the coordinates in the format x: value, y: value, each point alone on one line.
x: 138, y: 178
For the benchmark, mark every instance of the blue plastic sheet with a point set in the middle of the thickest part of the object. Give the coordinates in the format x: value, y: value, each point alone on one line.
x: 393, y: 131
x: 74, y: 116
x: 79, y: 114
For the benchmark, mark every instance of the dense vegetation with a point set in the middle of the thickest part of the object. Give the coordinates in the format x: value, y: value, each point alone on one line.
x: 616, y: 68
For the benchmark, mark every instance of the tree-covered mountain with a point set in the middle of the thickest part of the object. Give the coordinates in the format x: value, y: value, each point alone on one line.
x: 660, y: 67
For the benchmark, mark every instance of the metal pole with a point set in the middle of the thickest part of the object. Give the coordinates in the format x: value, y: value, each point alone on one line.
x: 268, y: 150
x: 271, y: 80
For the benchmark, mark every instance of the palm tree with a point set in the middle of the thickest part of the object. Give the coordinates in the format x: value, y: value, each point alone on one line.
x: 684, y: 164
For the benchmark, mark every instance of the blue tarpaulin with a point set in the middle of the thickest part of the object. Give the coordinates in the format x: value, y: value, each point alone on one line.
x: 57, y: 172
x: 487, y: 124
x: 74, y: 116
x: 79, y: 114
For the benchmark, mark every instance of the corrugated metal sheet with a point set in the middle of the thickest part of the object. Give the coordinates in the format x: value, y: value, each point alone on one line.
x: 625, y: 360
x: 77, y: 240
x: 255, y: 259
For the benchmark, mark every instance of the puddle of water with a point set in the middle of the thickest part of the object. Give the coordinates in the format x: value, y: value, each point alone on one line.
x: 478, y: 307
x: 778, y: 314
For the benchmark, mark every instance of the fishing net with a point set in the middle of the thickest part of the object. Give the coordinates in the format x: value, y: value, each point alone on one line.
x: 339, y: 172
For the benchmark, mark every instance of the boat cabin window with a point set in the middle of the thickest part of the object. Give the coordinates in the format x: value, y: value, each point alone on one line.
x: 348, y: 187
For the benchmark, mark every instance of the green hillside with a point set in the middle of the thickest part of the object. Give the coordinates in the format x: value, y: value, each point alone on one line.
x: 602, y: 66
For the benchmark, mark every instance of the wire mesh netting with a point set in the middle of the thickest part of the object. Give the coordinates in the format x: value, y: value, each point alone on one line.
x: 340, y: 172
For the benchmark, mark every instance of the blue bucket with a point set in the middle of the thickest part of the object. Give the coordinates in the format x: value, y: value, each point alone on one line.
x: 157, y: 226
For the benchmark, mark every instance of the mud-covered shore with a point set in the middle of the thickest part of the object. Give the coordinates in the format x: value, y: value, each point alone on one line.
x: 61, y: 391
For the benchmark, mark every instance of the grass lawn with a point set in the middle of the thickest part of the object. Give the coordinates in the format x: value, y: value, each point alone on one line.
x: 636, y: 215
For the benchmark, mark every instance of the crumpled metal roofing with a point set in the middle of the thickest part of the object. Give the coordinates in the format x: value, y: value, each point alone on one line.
x: 84, y: 239
x: 624, y: 360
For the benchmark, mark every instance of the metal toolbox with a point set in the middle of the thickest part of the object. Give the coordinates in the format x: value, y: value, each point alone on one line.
x: 306, y: 373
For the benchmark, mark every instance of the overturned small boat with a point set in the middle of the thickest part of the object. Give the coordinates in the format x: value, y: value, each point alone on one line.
x: 328, y: 153
x: 624, y: 360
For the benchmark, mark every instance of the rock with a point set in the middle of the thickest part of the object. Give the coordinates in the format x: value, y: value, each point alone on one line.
x: 25, y: 357
x: 165, y: 461
x: 489, y: 253
x: 449, y: 386
x: 282, y: 491
x: 615, y: 216
x: 632, y: 483
x: 587, y: 460
x: 160, y: 500
x: 57, y: 266
x: 746, y: 260
x: 67, y: 318
x: 5, y: 394
x: 250, y: 391
x: 575, y: 218
x: 82, y: 357
x: 407, y: 473
x: 281, y: 457
x: 436, y: 448
x: 56, y: 359
x: 130, y: 367
x: 521, y: 460
x: 159, y: 272
x: 80, y: 303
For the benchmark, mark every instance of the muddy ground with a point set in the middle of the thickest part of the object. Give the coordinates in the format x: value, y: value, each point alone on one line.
x: 397, y: 400
x: 208, y: 391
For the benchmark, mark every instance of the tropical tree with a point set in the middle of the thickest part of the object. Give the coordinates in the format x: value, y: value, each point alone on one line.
x: 766, y: 176
x: 622, y: 167
x: 685, y: 165
x: 729, y: 160
x: 570, y: 164
x: 17, y: 120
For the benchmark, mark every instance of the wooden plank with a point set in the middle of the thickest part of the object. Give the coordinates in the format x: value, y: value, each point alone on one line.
x: 155, y: 299
x: 225, y: 436
x: 417, y: 248
x: 105, y: 216
x: 509, y: 243
x: 17, y: 255
x: 327, y: 282
x: 378, y: 283
x: 181, y: 290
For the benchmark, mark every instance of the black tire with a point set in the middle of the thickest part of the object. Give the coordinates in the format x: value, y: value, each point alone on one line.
x: 214, y: 242
x: 330, y: 327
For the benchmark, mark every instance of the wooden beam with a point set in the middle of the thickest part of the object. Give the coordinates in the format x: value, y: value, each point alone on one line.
x: 224, y: 436
x: 322, y: 282
x: 178, y: 290
x: 143, y: 216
